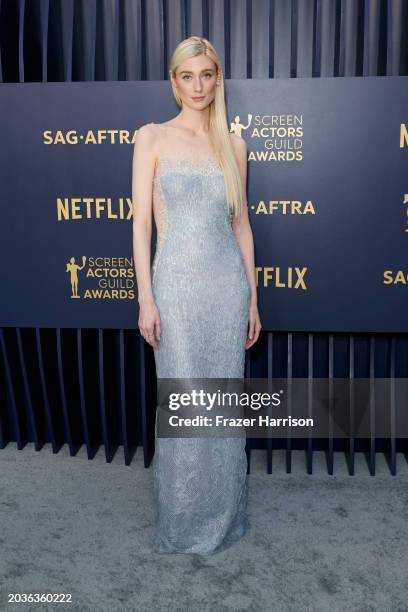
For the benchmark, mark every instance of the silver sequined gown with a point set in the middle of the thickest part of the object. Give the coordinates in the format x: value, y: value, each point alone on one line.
x: 202, y: 292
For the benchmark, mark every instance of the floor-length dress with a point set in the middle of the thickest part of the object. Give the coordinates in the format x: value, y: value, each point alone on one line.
x: 202, y: 292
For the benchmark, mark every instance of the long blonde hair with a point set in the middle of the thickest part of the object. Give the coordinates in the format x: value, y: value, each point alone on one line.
x: 218, y: 127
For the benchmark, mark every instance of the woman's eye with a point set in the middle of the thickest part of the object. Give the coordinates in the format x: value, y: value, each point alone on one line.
x: 187, y: 76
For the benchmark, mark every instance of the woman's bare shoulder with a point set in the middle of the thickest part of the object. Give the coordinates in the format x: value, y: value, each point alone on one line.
x: 155, y: 131
x: 159, y: 126
x: 148, y: 129
x: 239, y: 144
x: 149, y: 135
x: 237, y: 141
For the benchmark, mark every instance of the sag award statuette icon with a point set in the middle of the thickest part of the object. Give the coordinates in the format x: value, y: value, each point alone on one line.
x: 236, y: 126
x: 73, y: 268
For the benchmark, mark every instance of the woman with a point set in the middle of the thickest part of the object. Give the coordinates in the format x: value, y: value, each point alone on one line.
x: 198, y: 302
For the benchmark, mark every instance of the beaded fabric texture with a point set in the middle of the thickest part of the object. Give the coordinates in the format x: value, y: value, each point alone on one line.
x: 207, y: 167
x: 202, y: 293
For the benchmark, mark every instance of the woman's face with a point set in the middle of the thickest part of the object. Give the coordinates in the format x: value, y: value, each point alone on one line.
x: 196, y: 78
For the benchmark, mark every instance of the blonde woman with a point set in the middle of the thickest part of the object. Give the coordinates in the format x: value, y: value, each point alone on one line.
x: 198, y: 301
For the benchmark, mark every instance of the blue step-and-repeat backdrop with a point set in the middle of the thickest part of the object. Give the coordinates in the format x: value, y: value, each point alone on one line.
x: 327, y: 196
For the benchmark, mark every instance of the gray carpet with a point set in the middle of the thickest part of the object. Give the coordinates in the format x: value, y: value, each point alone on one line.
x: 318, y: 543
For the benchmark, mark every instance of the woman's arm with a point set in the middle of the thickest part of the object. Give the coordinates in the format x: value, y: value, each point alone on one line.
x: 143, y: 164
x: 243, y: 233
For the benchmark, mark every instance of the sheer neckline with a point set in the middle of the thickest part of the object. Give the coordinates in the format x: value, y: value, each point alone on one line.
x: 207, y: 163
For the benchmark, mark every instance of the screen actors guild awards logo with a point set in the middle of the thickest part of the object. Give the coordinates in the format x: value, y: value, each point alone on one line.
x: 103, y: 278
x: 72, y: 268
x: 271, y: 138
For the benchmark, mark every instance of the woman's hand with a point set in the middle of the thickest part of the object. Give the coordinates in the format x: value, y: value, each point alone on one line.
x: 254, y: 325
x: 149, y: 322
